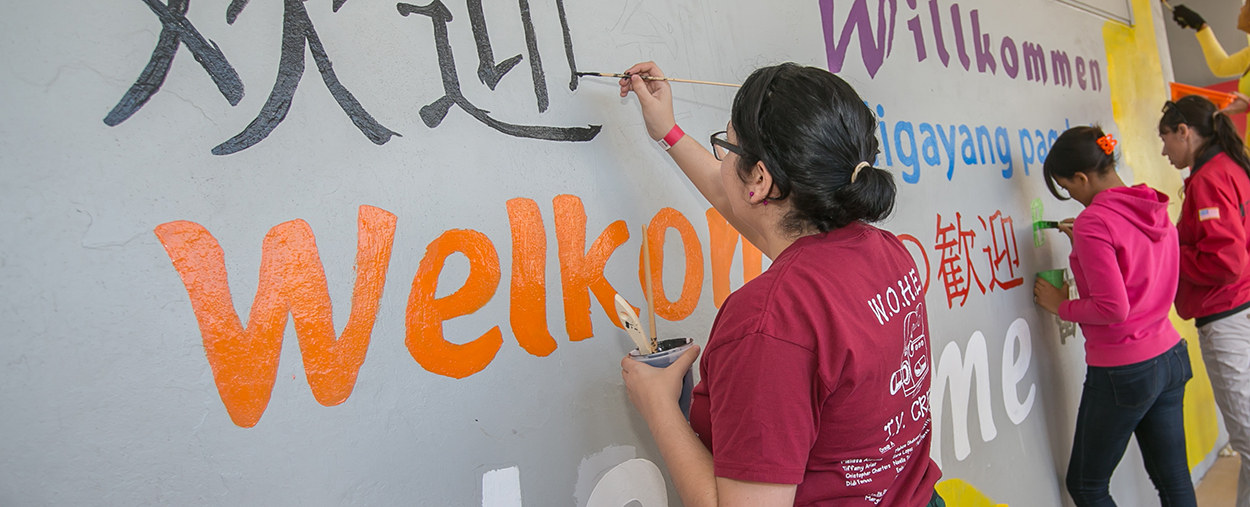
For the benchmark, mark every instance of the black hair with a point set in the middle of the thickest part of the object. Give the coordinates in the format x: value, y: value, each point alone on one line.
x: 811, y: 130
x: 1217, y: 128
x: 1076, y: 151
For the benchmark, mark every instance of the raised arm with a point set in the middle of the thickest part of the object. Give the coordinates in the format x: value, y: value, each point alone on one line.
x: 1220, y: 62
x: 656, y: 99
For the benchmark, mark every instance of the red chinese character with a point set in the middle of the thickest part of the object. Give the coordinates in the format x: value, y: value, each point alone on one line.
x: 955, y: 260
x: 1002, y: 248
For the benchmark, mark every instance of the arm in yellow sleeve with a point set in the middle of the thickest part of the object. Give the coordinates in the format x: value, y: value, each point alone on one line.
x: 1220, y: 62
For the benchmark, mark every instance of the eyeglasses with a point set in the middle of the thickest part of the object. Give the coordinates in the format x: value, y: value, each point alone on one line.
x: 721, y: 147
x: 1170, y: 106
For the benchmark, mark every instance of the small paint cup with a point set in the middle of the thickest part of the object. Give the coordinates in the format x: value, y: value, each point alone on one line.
x: 670, y: 350
x: 1054, y: 276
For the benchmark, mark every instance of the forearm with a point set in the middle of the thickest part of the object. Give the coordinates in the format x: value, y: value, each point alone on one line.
x: 1104, y: 296
x: 689, y: 463
x: 1093, y: 311
x: 1201, y: 268
x: 1219, y: 61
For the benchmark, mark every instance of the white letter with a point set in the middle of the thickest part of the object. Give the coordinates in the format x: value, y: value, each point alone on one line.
x: 894, y: 306
x: 958, y: 371
x: 878, y: 310
x: 909, y: 293
x: 636, y: 479
x: 502, y: 488
x: 1013, y: 371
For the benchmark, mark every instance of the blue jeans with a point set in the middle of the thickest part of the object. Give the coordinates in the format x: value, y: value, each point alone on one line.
x: 1144, y: 399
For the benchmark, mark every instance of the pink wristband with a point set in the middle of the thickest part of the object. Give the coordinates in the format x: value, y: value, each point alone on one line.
x: 672, y: 137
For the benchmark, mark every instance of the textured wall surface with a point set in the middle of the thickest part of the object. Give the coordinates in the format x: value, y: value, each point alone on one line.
x: 363, y: 253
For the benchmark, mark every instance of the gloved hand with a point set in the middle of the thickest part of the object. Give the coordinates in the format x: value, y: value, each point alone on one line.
x: 1187, y: 18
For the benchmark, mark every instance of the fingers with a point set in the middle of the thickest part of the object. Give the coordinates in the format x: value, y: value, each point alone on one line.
x: 640, y: 88
x: 1239, y: 105
x: 653, y: 88
x: 629, y: 366
x: 646, y: 69
x: 1041, y: 287
x: 1065, y: 226
x: 687, y: 359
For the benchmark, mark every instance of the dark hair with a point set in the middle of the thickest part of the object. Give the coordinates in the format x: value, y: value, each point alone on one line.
x: 811, y: 130
x: 1217, y: 128
x: 1076, y: 151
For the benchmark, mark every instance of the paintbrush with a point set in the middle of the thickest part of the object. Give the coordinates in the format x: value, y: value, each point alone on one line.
x: 646, y: 261
x: 654, y: 78
x: 629, y: 319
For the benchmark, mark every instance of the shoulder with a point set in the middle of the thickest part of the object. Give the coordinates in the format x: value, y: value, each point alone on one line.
x: 746, y: 309
x: 1221, y: 168
x: 1092, y: 220
x: 758, y: 344
x: 1218, y: 177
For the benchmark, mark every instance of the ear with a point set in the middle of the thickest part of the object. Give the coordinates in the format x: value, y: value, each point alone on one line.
x: 759, y: 181
x: 1182, y: 131
x: 1079, y: 179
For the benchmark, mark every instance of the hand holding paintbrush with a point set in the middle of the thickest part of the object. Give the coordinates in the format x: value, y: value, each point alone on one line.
x: 655, y: 97
x: 627, y: 76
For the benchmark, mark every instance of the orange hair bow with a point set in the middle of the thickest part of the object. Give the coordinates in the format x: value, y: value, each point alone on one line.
x: 1107, y: 143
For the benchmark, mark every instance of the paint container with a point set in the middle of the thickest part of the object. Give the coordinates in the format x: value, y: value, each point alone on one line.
x: 1054, y: 276
x: 669, y: 351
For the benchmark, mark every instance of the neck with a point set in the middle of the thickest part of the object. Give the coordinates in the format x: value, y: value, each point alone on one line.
x: 774, y: 234
x: 1111, y: 180
x: 1199, y: 146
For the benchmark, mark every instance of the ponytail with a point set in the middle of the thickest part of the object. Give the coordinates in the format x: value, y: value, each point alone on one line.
x: 1217, y: 128
x: 1229, y: 141
x: 869, y: 198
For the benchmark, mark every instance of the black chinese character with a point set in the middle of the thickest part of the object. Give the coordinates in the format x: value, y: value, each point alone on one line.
x: 434, y: 113
x: 176, y: 31
x: 297, y: 29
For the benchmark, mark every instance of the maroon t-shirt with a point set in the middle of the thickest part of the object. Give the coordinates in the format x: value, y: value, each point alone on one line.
x: 817, y: 374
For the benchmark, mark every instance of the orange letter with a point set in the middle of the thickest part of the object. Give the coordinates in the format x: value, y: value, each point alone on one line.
x: 692, y: 286
x: 528, y: 312
x: 724, y: 241
x: 426, y: 314
x: 580, y: 269
x: 292, y: 280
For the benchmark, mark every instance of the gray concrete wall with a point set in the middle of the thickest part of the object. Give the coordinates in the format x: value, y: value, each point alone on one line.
x: 109, y: 391
x: 1187, y: 61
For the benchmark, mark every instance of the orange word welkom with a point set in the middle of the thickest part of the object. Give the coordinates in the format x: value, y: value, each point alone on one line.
x: 292, y: 282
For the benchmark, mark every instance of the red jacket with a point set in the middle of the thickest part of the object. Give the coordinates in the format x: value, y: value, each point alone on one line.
x: 1215, y: 246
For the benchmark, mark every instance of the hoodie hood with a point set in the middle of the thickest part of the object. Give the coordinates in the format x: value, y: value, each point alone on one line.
x: 1142, y: 206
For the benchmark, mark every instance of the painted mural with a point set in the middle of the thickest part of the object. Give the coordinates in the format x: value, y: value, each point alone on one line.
x: 175, y: 269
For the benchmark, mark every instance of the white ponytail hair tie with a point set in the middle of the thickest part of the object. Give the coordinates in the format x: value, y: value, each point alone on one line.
x: 858, y: 168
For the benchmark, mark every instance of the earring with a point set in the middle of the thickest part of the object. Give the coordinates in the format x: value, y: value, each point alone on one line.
x: 766, y: 202
x: 752, y: 194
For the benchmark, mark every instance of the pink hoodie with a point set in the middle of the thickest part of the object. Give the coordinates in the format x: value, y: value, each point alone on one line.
x: 1126, y: 260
